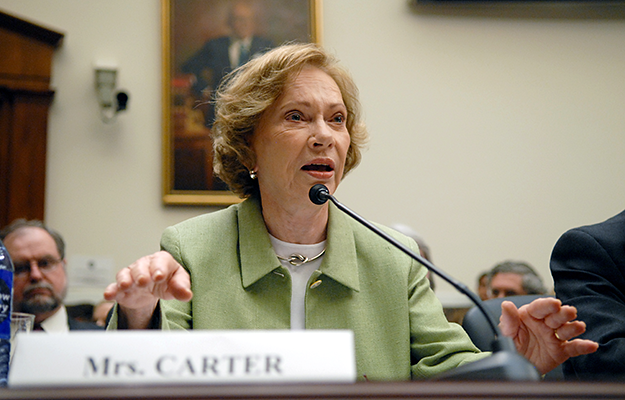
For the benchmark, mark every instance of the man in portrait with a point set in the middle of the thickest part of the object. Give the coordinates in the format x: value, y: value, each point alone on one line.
x: 221, y: 55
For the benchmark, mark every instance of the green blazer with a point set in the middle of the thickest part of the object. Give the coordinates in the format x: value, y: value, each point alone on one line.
x: 367, y: 286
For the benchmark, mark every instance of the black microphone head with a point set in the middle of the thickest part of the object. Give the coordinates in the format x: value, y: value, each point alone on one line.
x: 319, y: 194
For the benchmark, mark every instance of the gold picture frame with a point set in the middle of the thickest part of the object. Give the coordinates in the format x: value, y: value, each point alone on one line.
x: 187, y: 28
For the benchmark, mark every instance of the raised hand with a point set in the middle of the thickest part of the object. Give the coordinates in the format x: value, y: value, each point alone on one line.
x: 139, y: 286
x: 543, y: 331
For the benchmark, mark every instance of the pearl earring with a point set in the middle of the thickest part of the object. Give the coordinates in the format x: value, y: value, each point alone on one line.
x: 252, y: 174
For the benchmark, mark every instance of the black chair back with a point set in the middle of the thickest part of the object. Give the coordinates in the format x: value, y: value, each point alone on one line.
x: 475, y: 324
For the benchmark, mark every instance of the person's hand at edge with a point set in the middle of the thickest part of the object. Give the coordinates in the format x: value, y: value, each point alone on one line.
x: 543, y: 332
x: 139, y: 287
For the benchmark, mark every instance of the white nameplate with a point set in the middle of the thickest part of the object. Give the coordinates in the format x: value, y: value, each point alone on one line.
x: 116, y: 357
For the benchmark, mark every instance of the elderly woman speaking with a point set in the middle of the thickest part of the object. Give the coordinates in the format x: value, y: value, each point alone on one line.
x: 286, y: 121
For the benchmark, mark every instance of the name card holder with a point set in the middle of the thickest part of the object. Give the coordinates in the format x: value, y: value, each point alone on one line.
x: 164, y: 357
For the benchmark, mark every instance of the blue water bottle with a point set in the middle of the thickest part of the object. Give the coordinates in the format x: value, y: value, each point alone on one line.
x: 6, y: 296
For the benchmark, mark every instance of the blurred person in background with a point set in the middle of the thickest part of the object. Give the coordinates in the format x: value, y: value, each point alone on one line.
x: 40, y: 276
x: 424, y: 249
x: 482, y: 286
x: 514, y: 278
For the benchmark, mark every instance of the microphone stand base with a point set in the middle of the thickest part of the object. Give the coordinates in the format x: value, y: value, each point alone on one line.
x: 501, y: 366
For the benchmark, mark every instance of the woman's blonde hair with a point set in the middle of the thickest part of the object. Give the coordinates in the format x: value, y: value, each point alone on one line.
x: 249, y: 90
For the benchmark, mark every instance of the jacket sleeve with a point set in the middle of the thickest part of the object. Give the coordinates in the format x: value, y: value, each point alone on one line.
x: 587, y: 276
x: 169, y: 314
x: 174, y: 314
x: 436, y: 344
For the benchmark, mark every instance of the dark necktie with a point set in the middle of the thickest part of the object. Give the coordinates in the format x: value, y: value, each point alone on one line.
x: 244, y: 54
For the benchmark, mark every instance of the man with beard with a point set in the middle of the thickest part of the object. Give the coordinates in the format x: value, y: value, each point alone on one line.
x: 40, y: 278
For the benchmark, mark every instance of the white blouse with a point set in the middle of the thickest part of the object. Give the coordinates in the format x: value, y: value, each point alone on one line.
x: 299, y: 275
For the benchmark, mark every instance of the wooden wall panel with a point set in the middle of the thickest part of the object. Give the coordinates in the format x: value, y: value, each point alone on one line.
x: 25, y: 97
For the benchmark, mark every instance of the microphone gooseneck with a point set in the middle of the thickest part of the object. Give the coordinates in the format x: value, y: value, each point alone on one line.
x: 505, y: 363
x: 319, y: 194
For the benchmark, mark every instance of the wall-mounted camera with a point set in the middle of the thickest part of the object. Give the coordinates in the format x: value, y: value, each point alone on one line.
x: 111, y: 101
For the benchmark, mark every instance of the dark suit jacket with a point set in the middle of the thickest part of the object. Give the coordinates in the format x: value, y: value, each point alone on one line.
x: 588, y: 268
x: 213, y: 59
x: 76, y: 325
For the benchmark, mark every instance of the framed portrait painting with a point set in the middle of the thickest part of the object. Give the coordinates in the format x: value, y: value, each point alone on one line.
x: 203, y: 40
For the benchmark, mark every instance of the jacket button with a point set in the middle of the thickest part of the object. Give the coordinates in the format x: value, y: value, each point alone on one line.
x: 315, y: 284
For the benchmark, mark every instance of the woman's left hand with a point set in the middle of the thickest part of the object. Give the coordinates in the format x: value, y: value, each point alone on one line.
x: 543, y: 331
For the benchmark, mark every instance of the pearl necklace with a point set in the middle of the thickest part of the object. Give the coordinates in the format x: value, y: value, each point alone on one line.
x: 297, y: 259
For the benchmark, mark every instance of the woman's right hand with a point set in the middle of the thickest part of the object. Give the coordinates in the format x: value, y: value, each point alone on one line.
x: 139, y: 286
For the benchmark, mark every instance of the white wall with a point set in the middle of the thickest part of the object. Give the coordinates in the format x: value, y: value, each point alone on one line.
x: 490, y: 136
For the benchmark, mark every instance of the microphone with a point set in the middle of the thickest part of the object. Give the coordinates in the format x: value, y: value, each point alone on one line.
x: 504, y: 364
x: 319, y: 194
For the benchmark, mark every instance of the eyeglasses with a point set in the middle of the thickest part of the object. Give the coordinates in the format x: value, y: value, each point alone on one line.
x: 45, y: 265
